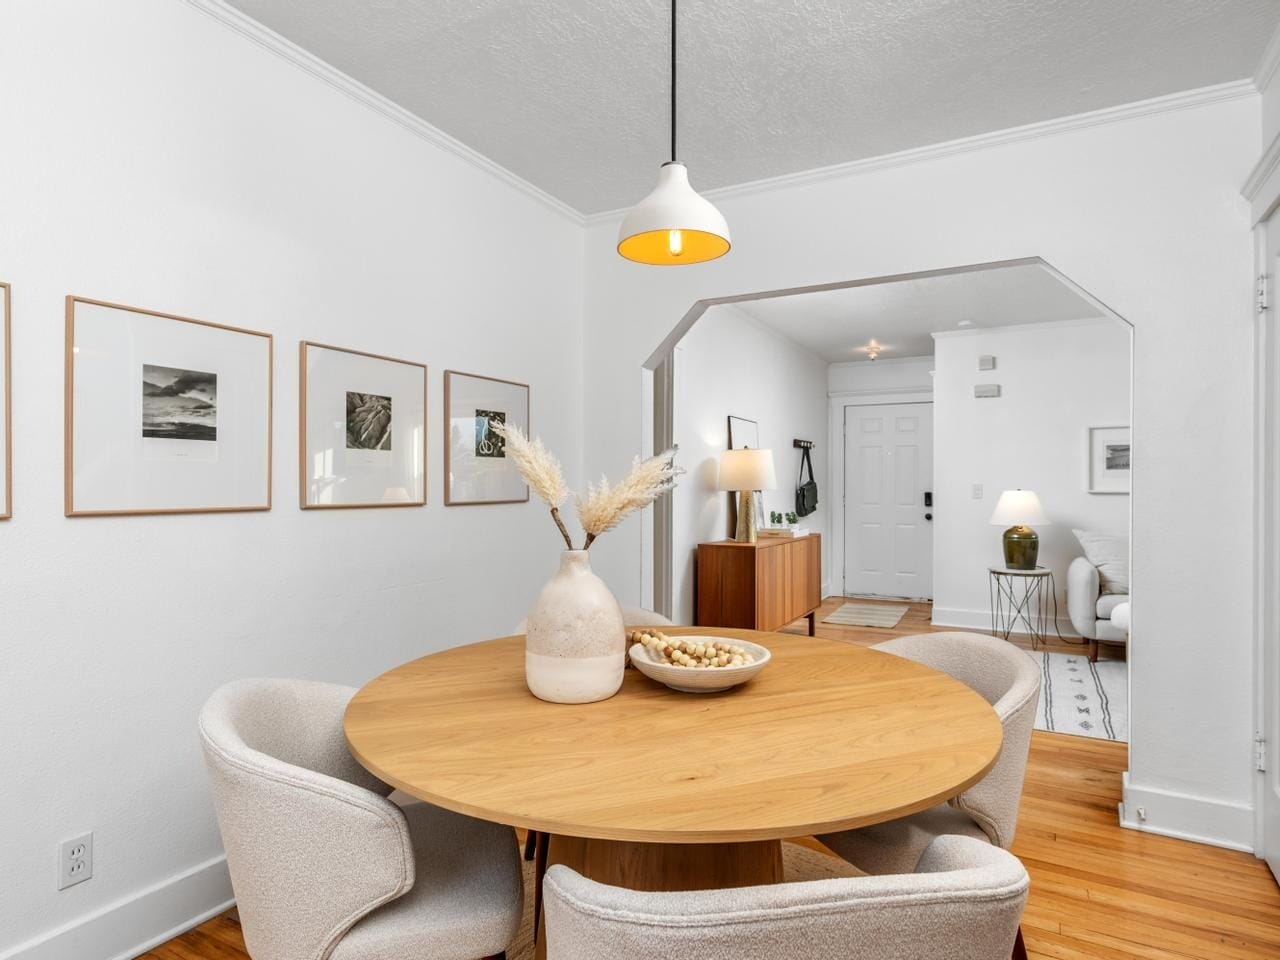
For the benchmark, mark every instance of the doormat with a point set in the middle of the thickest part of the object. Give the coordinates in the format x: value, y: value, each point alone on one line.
x: 867, y: 615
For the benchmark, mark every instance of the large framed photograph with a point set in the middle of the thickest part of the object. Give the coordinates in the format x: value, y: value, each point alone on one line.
x: 164, y: 414
x: 1110, y: 457
x: 6, y: 409
x: 476, y: 466
x: 362, y: 429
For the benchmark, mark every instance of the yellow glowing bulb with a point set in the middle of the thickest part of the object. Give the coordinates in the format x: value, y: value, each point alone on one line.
x: 675, y: 242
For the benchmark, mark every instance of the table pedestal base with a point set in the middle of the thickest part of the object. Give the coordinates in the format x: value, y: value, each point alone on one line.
x: 666, y: 866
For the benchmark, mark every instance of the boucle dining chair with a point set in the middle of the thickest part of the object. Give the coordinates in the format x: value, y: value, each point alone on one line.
x: 322, y: 864
x: 963, y: 903
x: 1008, y: 680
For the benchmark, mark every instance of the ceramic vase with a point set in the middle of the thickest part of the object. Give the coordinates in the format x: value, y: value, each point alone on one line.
x: 575, y: 641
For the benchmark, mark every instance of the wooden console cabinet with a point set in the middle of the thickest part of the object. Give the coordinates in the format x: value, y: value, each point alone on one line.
x: 759, y: 586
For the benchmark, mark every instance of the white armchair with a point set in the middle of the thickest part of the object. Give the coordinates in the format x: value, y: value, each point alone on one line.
x: 1090, y: 609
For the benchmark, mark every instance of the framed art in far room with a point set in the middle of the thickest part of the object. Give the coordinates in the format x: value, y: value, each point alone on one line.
x: 164, y: 414
x: 362, y: 429
x: 1110, y: 459
x: 744, y: 434
x: 6, y: 401
x: 477, y: 469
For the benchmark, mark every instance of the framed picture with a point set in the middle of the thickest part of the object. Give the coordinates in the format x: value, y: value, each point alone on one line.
x: 164, y: 414
x: 6, y: 414
x: 362, y: 429
x: 743, y: 434
x: 476, y: 467
x: 1109, y: 459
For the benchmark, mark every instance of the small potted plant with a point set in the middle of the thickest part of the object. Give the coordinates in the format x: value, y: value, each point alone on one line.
x: 793, y: 522
x: 775, y: 518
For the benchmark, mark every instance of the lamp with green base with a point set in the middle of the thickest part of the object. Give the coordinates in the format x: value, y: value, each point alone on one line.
x: 1017, y: 510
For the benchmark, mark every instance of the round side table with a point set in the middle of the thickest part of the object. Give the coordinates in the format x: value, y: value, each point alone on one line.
x: 1026, y: 597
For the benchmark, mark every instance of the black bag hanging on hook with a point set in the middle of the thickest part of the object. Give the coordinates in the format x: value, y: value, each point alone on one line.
x: 806, y: 490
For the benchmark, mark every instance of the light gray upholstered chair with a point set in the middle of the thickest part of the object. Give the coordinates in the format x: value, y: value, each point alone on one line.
x: 323, y: 866
x: 963, y: 902
x: 1007, y: 679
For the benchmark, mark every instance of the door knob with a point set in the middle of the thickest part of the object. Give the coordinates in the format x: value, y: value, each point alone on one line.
x: 928, y: 516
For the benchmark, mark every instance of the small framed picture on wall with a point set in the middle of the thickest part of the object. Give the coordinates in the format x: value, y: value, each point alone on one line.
x: 1110, y: 456
x: 477, y: 469
x: 362, y: 428
x: 164, y: 414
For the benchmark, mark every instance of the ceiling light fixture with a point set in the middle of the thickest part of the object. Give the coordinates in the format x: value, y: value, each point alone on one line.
x: 872, y: 349
x: 673, y: 225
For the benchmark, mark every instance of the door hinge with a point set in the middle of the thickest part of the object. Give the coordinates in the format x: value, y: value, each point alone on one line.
x: 1261, y: 292
x: 1260, y: 753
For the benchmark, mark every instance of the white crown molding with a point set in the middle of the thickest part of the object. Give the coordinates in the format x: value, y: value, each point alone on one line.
x: 1188, y: 99
x: 902, y: 394
x: 250, y: 29
x: 1268, y: 62
x: 1020, y: 327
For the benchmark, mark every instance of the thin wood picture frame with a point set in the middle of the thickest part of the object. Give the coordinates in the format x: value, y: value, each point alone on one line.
x: 69, y: 507
x: 449, y: 500
x: 6, y: 341
x: 746, y: 428
x: 303, y: 347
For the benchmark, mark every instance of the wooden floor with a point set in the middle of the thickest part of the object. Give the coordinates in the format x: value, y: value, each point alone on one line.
x: 1097, y: 892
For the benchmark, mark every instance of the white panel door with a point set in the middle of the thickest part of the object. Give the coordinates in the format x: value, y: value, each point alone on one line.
x: 888, y: 468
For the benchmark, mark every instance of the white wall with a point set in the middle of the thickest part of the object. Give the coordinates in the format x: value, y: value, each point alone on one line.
x: 890, y: 375
x: 1146, y: 214
x: 730, y: 364
x: 153, y: 157
x: 1056, y: 381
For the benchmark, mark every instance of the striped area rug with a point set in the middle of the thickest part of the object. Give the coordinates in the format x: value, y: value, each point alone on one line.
x: 867, y: 614
x: 1083, y: 698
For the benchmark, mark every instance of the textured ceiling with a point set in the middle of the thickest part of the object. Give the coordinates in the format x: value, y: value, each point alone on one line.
x: 572, y: 94
x: 902, y: 316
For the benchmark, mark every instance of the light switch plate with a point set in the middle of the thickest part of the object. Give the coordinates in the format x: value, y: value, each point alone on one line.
x: 977, y: 491
x: 986, y: 362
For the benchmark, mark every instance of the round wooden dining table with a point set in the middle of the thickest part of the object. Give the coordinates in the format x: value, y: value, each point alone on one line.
x: 654, y: 789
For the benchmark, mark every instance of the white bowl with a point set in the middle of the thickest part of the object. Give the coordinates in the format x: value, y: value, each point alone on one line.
x: 700, y: 679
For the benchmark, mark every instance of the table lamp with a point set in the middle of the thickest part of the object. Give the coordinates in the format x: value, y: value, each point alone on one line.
x: 1018, y: 509
x: 747, y: 471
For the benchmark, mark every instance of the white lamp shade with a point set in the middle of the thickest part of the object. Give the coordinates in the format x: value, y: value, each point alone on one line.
x: 673, y: 225
x: 747, y: 470
x: 1019, y: 508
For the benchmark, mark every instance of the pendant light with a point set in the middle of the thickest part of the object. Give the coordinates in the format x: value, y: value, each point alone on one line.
x: 673, y: 225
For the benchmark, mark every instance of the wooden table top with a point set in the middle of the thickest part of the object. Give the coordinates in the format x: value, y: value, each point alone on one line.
x: 828, y: 737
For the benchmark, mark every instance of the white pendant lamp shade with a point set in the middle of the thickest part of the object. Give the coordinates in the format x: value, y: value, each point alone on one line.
x: 673, y: 225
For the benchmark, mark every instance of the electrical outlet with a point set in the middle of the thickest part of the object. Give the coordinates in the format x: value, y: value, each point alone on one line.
x: 75, y: 860
x: 977, y: 491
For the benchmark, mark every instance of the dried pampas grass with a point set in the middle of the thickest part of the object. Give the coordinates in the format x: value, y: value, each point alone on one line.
x: 540, y: 469
x: 605, y: 506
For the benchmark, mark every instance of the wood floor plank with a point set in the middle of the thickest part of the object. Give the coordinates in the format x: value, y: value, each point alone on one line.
x: 1098, y: 892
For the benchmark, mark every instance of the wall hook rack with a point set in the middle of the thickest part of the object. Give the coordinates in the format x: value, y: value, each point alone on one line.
x: 802, y: 444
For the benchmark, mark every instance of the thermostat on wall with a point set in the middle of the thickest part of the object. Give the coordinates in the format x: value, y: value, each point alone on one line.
x: 984, y: 390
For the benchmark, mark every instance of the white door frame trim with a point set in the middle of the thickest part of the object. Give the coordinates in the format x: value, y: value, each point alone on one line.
x: 836, y: 402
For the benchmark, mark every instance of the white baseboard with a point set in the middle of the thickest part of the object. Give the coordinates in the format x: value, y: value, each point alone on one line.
x: 1187, y: 817
x: 981, y: 620
x: 135, y: 924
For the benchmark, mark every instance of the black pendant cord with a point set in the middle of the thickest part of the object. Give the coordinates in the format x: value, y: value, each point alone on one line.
x: 673, y: 81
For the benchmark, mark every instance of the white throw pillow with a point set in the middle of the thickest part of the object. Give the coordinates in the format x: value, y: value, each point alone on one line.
x: 1110, y: 554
